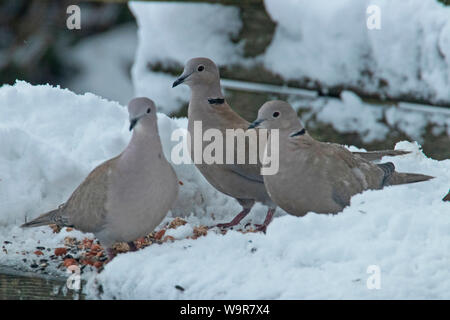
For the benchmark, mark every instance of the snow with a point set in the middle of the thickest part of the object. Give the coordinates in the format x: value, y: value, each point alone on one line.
x: 350, y: 114
x: 104, y: 61
x: 312, y: 41
x: 48, y: 147
x: 171, y: 33
x: 403, y: 230
x: 51, y: 138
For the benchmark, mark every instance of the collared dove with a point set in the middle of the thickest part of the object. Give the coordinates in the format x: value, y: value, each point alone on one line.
x: 317, y: 176
x: 127, y: 196
x: 207, y: 104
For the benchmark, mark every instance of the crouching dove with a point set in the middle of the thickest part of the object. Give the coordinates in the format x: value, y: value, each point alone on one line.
x: 316, y: 176
x: 127, y: 196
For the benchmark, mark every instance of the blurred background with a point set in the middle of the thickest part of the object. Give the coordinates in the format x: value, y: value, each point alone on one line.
x: 37, y: 47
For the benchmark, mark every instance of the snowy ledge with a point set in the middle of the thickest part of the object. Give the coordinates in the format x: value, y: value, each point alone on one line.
x: 51, y: 138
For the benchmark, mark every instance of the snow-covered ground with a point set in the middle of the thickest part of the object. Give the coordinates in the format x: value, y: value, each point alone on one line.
x: 51, y: 138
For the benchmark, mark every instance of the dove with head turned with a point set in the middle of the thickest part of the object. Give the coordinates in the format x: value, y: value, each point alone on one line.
x: 315, y: 176
x: 127, y: 196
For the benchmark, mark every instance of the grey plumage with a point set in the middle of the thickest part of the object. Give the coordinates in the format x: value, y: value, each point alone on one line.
x: 127, y: 196
x: 377, y: 155
x: 317, y: 176
x: 207, y: 104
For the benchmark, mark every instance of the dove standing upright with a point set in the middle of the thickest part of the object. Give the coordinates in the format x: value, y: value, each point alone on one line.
x: 316, y: 176
x: 208, y: 106
x: 127, y: 196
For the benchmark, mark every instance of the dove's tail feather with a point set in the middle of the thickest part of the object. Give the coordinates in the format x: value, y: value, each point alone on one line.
x: 377, y: 155
x: 51, y: 217
x: 403, y: 178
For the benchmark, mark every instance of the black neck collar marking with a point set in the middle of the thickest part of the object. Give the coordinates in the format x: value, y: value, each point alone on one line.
x: 298, y: 133
x: 216, y: 101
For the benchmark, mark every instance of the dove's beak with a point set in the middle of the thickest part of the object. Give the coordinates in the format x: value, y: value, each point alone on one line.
x: 133, y: 123
x: 256, y: 123
x: 180, y: 80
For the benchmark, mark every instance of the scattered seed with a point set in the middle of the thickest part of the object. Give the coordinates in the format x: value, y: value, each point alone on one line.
x: 179, y: 288
x: 69, y: 262
x: 160, y: 234
x: 167, y: 238
x: 60, y: 251
x: 176, y: 223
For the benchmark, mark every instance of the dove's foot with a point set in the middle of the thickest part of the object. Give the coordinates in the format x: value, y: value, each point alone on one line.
x: 269, y: 216
x: 235, y: 221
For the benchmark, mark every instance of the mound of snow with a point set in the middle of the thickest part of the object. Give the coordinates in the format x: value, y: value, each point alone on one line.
x: 52, y: 138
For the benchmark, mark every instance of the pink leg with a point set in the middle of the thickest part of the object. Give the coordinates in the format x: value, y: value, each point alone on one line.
x: 236, y: 219
x: 269, y: 216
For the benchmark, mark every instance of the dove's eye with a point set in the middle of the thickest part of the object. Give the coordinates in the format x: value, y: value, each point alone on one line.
x: 148, y: 110
x: 200, y: 68
x: 276, y: 114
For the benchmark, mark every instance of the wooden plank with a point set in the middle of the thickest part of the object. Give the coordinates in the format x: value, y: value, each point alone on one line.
x: 18, y: 285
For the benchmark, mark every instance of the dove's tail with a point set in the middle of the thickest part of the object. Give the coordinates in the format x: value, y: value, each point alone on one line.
x: 392, y: 177
x: 447, y: 197
x: 403, y: 178
x: 377, y: 155
x: 52, y: 217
